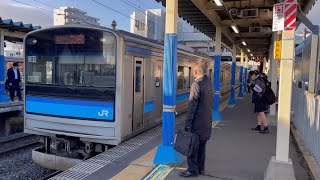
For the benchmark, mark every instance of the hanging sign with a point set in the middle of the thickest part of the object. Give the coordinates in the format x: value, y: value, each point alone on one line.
x: 278, y: 17
x: 284, y: 16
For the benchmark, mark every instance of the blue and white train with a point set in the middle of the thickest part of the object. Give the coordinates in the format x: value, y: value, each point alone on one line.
x: 88, y: 88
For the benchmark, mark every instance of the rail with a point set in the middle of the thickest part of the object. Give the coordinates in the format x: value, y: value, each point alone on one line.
x: 306, y: 118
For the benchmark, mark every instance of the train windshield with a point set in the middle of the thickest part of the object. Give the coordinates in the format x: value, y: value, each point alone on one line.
x: 71, y: 62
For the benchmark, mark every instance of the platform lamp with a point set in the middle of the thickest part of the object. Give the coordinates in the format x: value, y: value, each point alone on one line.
x: 235, y: 28
x: 218, y: 2
x: 244, y: 42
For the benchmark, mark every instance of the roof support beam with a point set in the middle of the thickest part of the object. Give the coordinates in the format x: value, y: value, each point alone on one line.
x: 13, y: 34
x: 212, y: 16
x: 308, y: 23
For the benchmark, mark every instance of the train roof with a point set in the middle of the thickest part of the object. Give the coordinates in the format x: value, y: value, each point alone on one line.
x: 127, y: 36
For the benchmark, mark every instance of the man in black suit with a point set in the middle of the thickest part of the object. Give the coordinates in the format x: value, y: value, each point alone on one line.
x: 199, y: 118
x: 14, y: 81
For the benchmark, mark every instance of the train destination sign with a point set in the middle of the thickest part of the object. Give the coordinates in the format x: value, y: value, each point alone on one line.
x: 70, y: 39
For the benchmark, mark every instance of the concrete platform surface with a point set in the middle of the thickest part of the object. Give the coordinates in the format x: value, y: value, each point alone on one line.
x: 235, y: 152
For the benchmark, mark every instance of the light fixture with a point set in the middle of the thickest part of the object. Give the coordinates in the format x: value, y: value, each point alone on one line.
x: 248, y: 50
x: 251, y: 54
x: 235, y: 28
x: 244, y: 43
x: 218, y: 2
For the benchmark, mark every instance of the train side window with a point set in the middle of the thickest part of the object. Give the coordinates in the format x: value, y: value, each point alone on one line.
x: 222, y: 77
x: 138, y: 77
x: 180, y: 78
x: 210, y: 74
x: 187, y: 77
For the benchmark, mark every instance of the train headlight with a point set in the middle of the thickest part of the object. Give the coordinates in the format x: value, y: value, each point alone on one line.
x: 32, y: 41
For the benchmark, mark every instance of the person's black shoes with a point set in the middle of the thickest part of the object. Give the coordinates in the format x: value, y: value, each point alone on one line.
x: 265, y: 131
x: 202, y: 173
x: 187, y: 174
x: 258, y: 128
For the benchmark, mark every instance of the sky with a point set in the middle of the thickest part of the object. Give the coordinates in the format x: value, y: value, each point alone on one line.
x: 27, y: 14
x: 11, y: 9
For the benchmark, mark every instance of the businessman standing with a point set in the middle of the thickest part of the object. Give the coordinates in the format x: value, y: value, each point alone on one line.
x: 199, y: 118
x: 14, y: 81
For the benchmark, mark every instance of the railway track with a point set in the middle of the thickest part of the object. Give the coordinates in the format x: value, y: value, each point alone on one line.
x: 18, y: 143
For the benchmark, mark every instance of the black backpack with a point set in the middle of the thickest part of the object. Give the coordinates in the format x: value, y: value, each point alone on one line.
x: 268, y: 96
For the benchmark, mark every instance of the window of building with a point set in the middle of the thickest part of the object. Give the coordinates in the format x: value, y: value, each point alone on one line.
x: 139, y: 25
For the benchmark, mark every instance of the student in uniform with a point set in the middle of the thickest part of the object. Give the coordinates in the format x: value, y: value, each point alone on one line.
x: 259, y: 87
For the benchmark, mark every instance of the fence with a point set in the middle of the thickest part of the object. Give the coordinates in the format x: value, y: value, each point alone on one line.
x: 306, y: 118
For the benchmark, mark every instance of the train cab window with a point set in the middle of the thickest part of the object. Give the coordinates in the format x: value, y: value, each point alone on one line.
x: 73, y: 62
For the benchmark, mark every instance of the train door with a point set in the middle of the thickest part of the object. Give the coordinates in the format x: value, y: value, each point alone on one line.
x: 138, y: 95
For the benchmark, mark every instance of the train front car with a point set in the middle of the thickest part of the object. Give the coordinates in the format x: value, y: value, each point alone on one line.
x: 70, y: 92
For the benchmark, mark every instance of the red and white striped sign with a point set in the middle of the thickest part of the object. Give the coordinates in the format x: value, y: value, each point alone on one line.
x: 284, y: 15
x: 290, y: 14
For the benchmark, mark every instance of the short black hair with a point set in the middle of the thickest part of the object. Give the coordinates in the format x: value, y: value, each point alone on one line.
x: 15, y: 64
x: 256, y: 72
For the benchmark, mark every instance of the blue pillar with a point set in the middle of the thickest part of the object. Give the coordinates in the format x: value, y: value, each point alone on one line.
x: 216, y: 115
x: 232, y: 100
x: 3, y: 96
x: 166, y: 153
x: 245, y: 90
x: 240, y: 94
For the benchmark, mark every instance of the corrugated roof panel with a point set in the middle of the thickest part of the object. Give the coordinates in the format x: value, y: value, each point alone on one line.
x: 17, y: 26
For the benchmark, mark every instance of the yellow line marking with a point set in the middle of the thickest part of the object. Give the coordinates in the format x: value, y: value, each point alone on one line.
x: 214, y: 124
x: 159, y: 173
x: 180, y: 168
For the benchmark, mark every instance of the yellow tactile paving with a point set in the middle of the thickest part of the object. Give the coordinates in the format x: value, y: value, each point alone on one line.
x: 132, y: 172
x: 147, y: 159
x: 138, y: 168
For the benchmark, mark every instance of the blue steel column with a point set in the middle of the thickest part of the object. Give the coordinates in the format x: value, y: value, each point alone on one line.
x: 166, y: 153
x: 3, y: 97
x: 232, y: 100
x: 216, y: 115
x: 245, y: 90
x: 240, y: 94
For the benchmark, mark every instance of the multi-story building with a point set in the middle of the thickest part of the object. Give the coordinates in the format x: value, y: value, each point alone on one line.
x: 151, y: 24
x: 148, y: 23
x: 70, y: 15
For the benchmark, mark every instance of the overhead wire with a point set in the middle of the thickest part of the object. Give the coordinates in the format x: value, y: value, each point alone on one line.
x: 108, y: 7
x: 43, y: 9
x: 45, y: 4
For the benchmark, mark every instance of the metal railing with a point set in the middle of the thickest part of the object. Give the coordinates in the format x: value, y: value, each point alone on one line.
x: 306, y: 118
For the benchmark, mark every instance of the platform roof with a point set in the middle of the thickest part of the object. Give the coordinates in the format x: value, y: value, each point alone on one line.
x: 15, y: 29
x: 255, y: 30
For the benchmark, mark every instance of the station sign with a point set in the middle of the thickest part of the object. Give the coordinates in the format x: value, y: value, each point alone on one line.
x: 284, y: 16
x: 278, y: 17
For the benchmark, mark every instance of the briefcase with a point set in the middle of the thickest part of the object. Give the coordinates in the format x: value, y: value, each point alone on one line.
x: 186, y: 143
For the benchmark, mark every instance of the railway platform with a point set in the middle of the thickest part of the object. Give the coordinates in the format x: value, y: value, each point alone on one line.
x: 234, y: 152
x: 6, y: 109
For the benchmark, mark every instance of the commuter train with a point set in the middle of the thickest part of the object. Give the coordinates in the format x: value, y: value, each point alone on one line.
x: 89, y: 88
